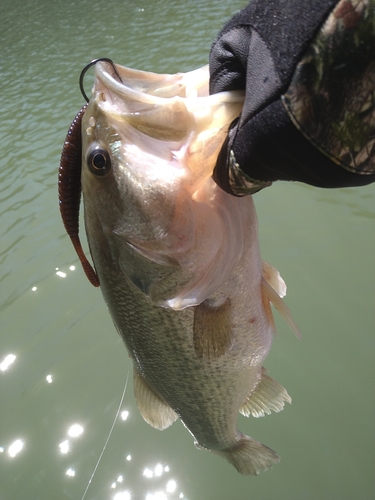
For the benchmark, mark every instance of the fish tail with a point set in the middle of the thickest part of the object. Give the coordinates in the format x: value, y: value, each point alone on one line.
x: 249, y: 457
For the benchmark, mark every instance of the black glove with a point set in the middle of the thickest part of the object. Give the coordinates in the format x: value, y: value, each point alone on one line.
x: 308, y: 67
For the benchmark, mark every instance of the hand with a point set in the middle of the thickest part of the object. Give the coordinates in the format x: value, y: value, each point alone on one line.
x: 308, y: 69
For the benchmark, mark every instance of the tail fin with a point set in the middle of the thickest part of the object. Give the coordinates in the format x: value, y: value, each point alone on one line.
x: 250, y: 457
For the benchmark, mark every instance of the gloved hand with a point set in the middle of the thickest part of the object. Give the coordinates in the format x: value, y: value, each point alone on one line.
x: 308, y: 69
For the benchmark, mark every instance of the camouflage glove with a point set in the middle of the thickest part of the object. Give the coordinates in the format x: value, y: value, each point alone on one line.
x: 308, y: 68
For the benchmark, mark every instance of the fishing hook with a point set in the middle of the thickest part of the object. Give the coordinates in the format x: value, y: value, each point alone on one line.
x: 92, y: 63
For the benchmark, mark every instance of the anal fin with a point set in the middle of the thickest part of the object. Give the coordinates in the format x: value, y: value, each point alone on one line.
x: 153, y: 409
x: 268, y: 395
x: 212, y: 328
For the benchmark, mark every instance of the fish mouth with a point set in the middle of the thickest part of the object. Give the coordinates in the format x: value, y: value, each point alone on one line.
x: 156, y: 88
x: 163, y: 106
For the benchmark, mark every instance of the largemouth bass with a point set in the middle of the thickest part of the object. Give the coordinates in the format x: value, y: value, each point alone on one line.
x: 176, y: 257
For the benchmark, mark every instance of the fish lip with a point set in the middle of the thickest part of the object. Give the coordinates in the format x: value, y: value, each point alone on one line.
x: 105, y: 75
x: 123, y: 90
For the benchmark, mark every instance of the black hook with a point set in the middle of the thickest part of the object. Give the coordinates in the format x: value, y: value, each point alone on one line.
x: 92, y: 63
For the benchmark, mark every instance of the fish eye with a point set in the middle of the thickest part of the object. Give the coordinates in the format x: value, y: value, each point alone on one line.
x: 99, y: 161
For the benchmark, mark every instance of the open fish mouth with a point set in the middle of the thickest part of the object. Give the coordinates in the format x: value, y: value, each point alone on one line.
x: 131, y: 85
x: 170, y: 108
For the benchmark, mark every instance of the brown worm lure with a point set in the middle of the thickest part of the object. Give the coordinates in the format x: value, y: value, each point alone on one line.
x: 69, y: 185
x: 70, y: 177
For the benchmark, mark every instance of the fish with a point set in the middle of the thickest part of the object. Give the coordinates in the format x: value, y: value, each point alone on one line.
x: 177, y: 258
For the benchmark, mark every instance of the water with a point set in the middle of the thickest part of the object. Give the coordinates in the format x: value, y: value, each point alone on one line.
x: 71, y: 367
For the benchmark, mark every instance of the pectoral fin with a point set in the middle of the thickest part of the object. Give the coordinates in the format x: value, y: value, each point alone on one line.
x: 268, y: 395
x: 267, y: 309
x: 269, y: 292
x: 272, y: 276
x: 153, y: 409
x: 212, y: 328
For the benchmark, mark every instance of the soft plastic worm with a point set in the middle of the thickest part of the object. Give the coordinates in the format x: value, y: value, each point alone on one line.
x: 70, y: 190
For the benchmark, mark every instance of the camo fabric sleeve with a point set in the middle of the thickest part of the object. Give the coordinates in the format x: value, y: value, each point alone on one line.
x: 331, y: 98
x: 241, y: 184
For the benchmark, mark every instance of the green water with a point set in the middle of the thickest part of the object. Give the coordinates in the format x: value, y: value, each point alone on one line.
x: 70, y: 367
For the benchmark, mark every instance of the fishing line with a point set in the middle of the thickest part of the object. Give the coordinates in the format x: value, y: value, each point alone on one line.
x: 92, y: 63
x: 109, y: 436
